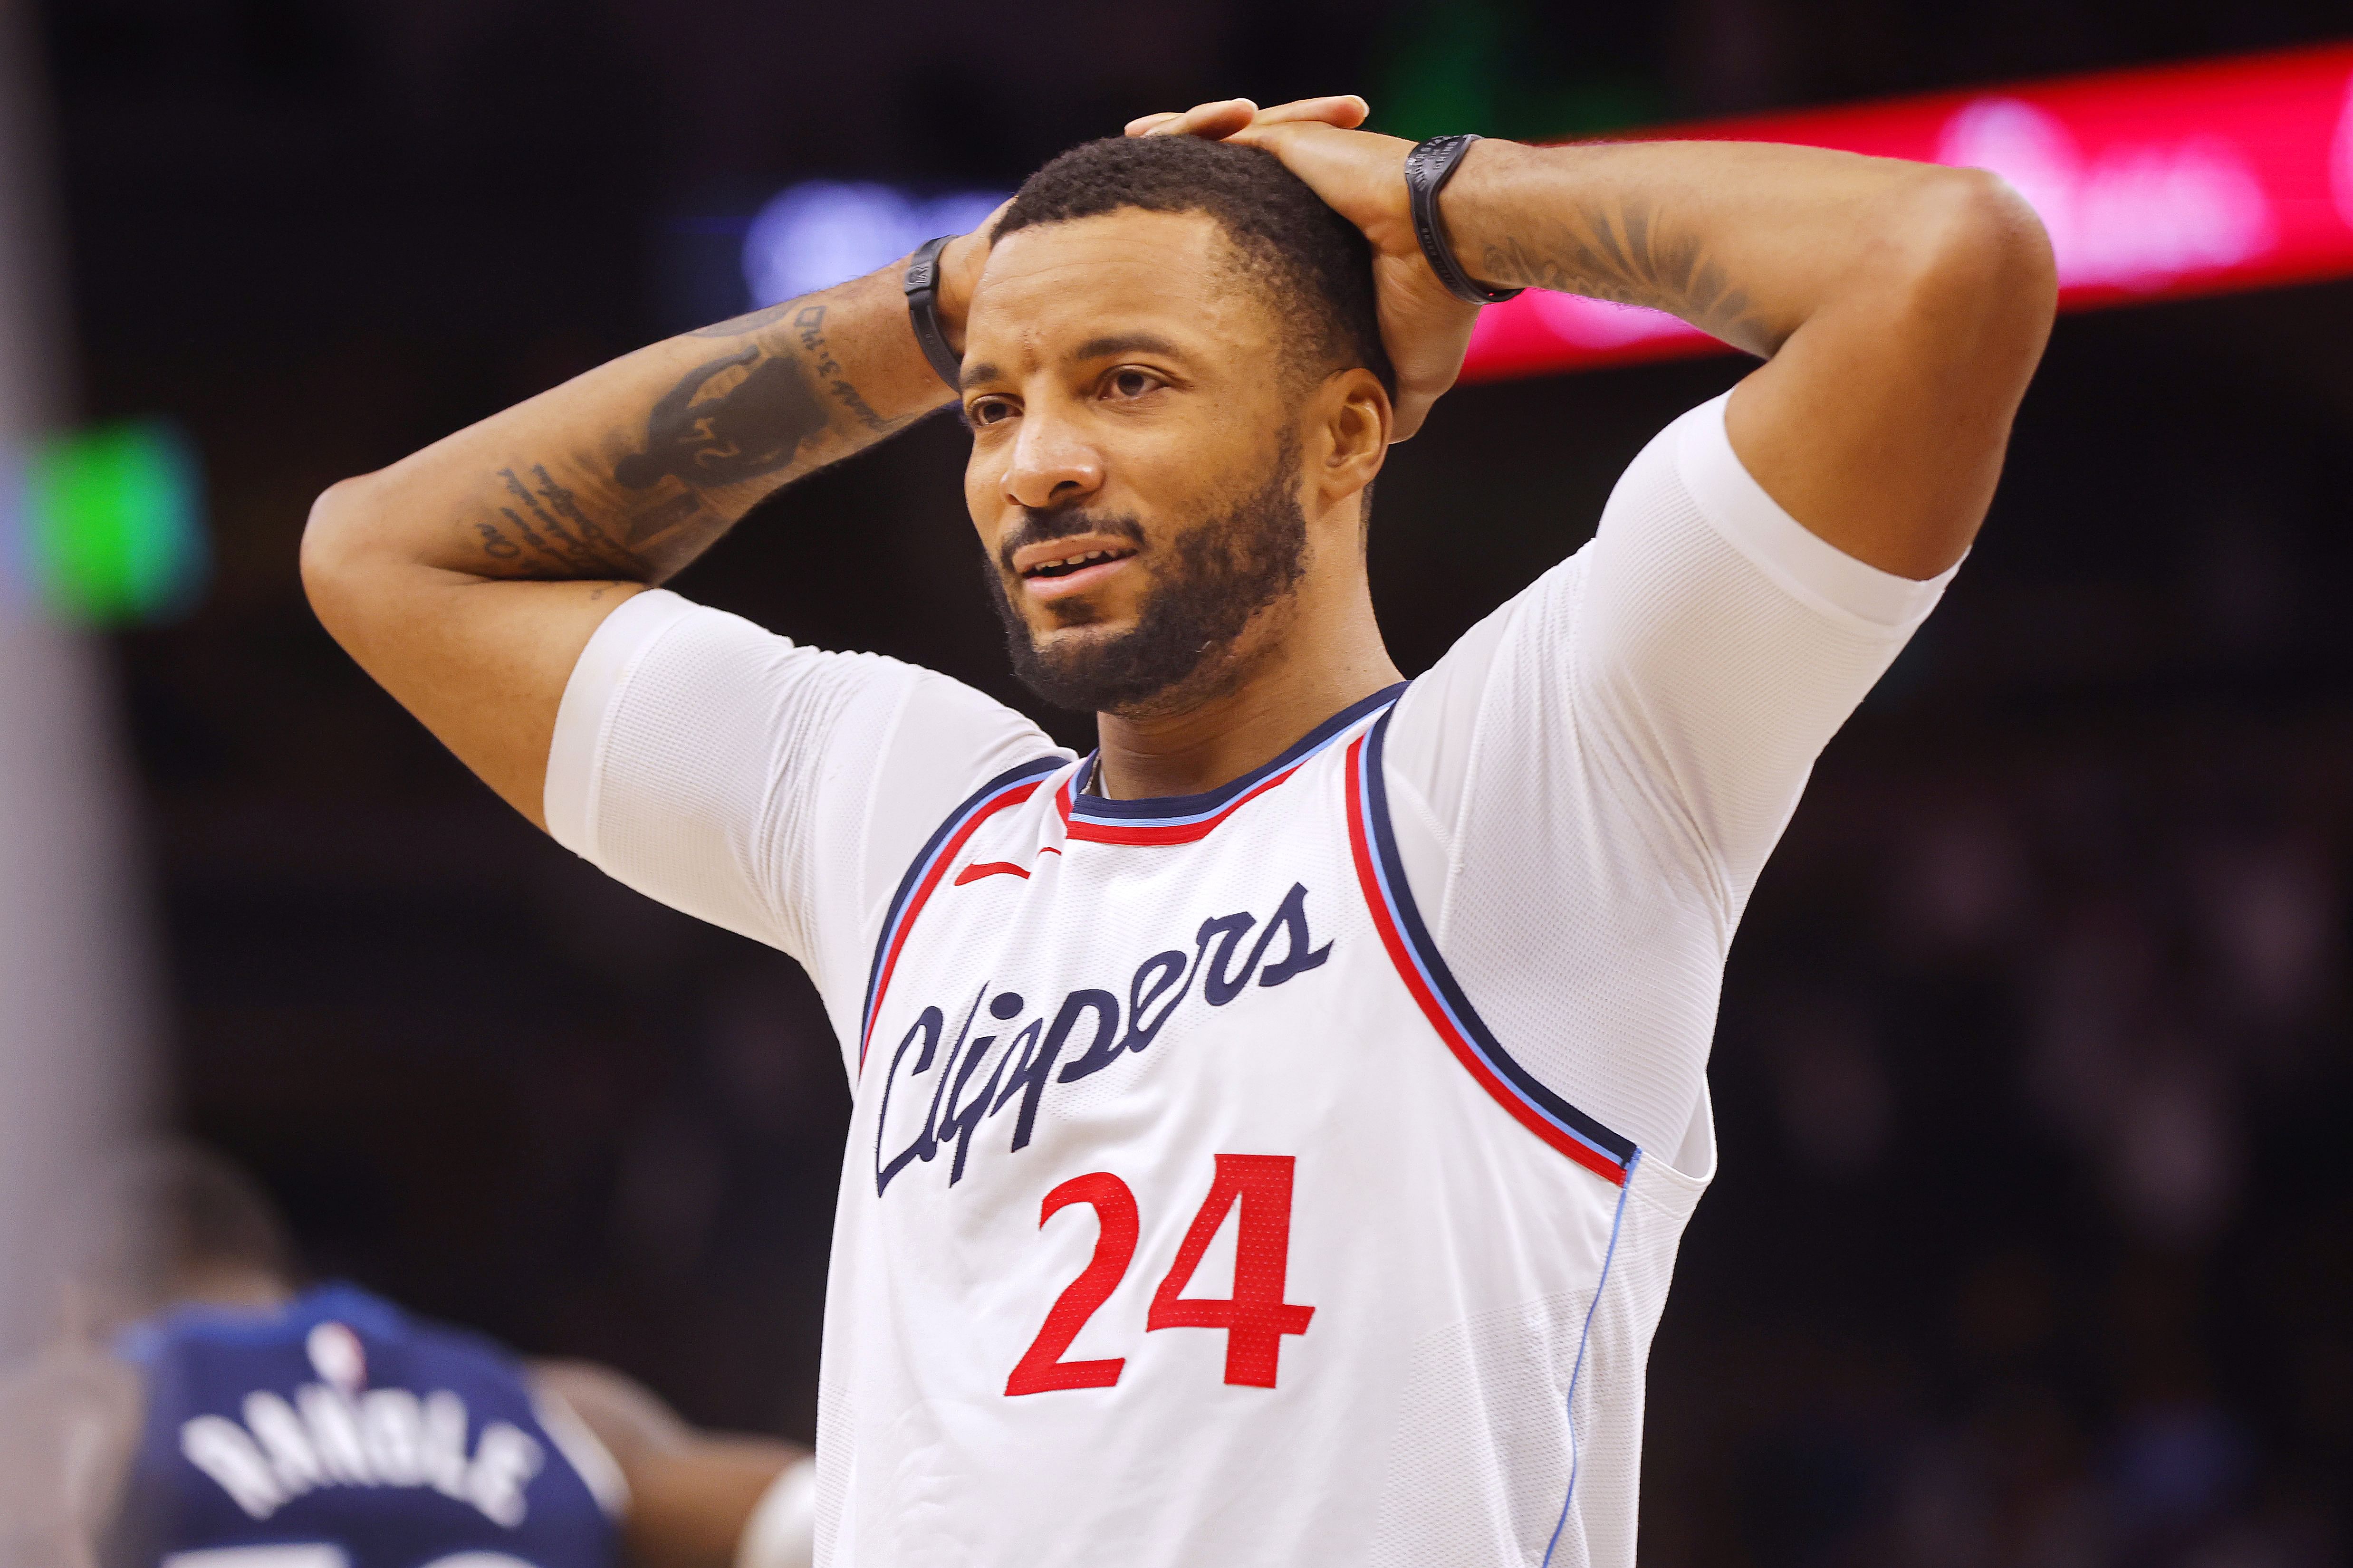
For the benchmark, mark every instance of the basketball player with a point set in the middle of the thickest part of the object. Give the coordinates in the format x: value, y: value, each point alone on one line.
x: 251, y: 1424
x: 1273, y: 1130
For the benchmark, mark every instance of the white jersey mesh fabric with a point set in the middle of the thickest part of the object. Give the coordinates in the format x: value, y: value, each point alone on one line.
x: 1604, y: 763
x: 1583, y: 788
x: 837, y: 1440
x: 1479, y: 1439
x: 776, y: 790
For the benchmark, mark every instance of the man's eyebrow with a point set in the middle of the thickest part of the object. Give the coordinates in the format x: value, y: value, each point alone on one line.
x: 1109, y: 346
x: 1119, y: 344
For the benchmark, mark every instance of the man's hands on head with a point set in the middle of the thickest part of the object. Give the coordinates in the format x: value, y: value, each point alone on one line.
x: 1902, y: 307
x: 960, y: 264
x: 1361, y: 176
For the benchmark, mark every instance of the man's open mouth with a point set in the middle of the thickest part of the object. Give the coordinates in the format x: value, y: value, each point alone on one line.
x: 1067, y: 564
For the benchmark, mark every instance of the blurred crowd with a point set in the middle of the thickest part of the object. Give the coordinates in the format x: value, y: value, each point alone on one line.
x: 2035, y: 1245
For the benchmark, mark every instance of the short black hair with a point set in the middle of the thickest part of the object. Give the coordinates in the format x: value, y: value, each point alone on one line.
x: 1315, y: 266
x: 206, y: 1213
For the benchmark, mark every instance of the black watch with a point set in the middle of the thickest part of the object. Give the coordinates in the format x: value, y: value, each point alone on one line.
x: 1427, y: 169
x: 923, y: 310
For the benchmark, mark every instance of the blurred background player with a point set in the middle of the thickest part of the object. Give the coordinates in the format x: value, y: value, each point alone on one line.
x: 243, y: 1419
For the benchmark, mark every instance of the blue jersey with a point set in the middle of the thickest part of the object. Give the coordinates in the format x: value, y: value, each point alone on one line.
x: 338, y: 1432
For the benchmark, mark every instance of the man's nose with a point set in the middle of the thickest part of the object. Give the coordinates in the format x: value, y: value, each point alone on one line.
x: 1052, y: 465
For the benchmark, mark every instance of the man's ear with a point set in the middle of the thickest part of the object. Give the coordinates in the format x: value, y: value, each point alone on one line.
x: 1357, y: 419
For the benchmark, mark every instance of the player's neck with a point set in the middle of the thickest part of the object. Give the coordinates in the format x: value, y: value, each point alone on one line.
x: 1323, y: 662
x: 233, y: 1285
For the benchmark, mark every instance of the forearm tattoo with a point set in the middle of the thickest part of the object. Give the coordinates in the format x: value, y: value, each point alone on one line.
x: 1627, y: 255
x: 810, y: 322
x: 759, y: 412
x: 727, y: 420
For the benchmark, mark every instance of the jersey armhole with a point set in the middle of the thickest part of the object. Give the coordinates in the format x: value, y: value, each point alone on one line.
x: 1381, y: 871
x: 1007, y: 788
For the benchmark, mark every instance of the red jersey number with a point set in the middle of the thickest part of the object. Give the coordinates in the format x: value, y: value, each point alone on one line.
x: 1255, y: 1317
x: 1041, y: 1369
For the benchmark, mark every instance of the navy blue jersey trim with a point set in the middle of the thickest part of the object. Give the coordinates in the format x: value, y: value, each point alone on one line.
x: 930, y: 851
x: 141, y: 1342
x: 1096, y: 808
x: 1416, y: 936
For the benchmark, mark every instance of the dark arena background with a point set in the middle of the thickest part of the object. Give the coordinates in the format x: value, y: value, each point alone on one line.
x: 2033, y: 1242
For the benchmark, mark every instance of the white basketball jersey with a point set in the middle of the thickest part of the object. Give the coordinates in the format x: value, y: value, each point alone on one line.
x: 1192, y: 1217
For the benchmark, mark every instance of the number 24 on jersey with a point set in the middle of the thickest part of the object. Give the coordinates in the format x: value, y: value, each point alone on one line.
x: 1255, y: 1317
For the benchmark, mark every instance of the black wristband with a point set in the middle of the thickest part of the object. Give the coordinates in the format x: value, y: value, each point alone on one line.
x: 923, y: 310
x: 1427, y: 169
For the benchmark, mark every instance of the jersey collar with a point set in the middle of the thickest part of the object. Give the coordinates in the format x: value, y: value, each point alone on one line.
x: 1179, y: 817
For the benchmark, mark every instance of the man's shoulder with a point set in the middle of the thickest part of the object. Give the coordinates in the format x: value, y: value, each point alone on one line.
x: 702, y: 641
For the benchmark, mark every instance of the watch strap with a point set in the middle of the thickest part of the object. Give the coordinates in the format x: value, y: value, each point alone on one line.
x: 923, y: 310
x: 1427, y: 169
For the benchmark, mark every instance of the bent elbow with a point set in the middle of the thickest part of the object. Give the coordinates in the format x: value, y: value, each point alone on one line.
x: 1980, y: 264
x: 331, y: 553
x: 1968, y: 278
x: 2006, y: 246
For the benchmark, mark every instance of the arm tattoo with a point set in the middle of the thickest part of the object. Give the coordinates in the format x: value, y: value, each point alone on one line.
x: 552, y: 527
x: 747, y: 415
x: 810, y: 324
x: 1628, y: 258
x: 745, y: 325
x: 727, y: 420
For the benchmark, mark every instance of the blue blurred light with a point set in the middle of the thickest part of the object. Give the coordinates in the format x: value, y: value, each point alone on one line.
x: 822, y: 233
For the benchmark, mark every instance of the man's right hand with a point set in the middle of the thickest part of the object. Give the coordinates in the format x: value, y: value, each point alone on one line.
x: 1361, y: 176
x: 960, y: 264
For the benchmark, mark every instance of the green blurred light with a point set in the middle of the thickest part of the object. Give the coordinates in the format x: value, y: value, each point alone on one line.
x: 1481, y: 65
x: 1590, y: 108
x: 1445, y: 66
x: 114, y: 523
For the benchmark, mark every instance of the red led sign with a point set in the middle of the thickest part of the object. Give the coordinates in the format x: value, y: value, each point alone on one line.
x: 2154, y: 184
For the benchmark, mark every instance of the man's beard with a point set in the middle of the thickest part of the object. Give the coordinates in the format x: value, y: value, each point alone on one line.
x: 1207, y: 587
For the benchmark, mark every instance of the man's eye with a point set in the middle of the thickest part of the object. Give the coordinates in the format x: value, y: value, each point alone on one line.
x: 989, y: 411
x: 1133, y: 383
